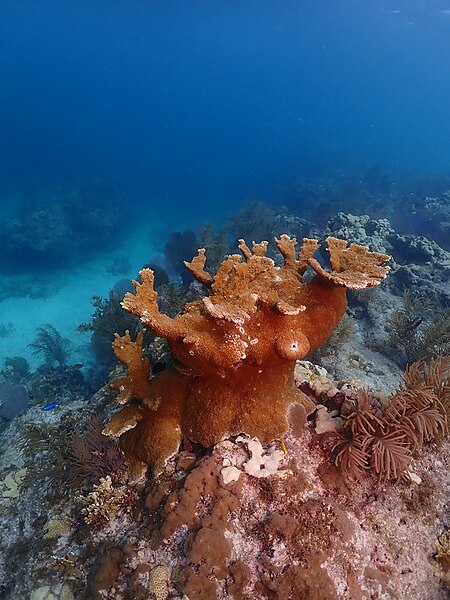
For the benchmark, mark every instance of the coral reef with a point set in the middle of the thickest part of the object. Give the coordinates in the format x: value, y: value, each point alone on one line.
x: 158, y: 579
x: 235, y: 349
x: 90, y: 455
x: 16, y: 367
x: 62, y: 229
x: 302, y: 531
x: 57, y: 384
x: 419, y: 263
x: 443, y: 557
x: 13, y: 483
x: 262, y: 462
x: 408, y: 317
x: 417, y: 330
x: 72, y: 461
x: 319, y: 198
x: 56, y: 528
x: 428, y: 215
x: 308, y: 534
x: 284, y: 517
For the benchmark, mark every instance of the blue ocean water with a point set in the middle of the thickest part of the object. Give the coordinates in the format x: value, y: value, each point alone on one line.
x: 196, y: 106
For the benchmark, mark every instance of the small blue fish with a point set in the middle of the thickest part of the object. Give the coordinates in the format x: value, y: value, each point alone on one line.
x: 51, y: 406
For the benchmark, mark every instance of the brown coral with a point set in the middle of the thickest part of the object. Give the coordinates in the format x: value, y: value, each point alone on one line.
x: 235, y: 350
x: 385, y: 440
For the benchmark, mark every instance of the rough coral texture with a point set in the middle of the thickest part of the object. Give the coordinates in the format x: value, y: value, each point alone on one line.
x: 104, y: 501
x: 443, y: 557
x: 158, y: 582
x: 311, y: 535
x: 235, y: 350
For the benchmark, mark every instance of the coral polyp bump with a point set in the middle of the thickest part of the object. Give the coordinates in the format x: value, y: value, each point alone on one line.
x: 235, y: 350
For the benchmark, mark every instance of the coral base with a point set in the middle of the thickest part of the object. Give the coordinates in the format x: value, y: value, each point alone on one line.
x: 250, y: 400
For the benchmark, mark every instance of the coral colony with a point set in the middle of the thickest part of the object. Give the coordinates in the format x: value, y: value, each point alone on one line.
x: 234, y: 350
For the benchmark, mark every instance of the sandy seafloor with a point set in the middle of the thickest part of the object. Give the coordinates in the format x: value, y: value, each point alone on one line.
x: 68, y: 303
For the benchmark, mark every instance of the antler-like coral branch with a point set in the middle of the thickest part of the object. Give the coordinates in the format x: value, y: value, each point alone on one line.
x: 197, y: 268
x: 307, y: 250
x: 136, y: 383
x: 258, y: 249
x: 354, y: 268
x: 144, y: 305
x: 244, y: 249
x: 286, y: 246
x: 123, y: 421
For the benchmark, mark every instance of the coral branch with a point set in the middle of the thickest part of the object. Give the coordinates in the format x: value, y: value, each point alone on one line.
x: 307, y: 251
x: 286, y: 246
x: 259, y: 249
x: 124, y: 420
x: 247, y: 253
x: 354, y: 268
x: 144, y: 305
x: 136, y: 384
x: 197, y: 268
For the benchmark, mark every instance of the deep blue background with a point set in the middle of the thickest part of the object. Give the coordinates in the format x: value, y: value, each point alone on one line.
x: 210, y: 102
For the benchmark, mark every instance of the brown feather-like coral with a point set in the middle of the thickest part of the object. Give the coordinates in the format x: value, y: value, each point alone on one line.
x: 385, y: 440
x: 351, y: 457
x: 362, y: 417
x: 235, y: 350
x: 389, y: 453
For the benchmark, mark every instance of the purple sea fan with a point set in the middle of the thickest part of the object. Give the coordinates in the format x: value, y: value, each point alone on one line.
x: 13, y: 399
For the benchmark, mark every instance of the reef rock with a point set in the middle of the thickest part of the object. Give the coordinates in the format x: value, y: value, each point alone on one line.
x: 419, y: 263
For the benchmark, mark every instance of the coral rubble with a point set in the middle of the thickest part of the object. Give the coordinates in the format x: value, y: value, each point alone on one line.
x: 234, y: 350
